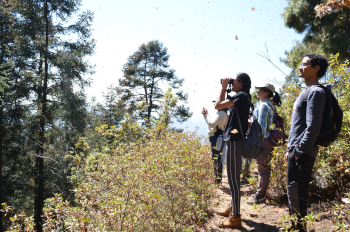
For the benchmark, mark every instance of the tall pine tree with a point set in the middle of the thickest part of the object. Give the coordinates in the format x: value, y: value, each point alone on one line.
x: 147, y: 75
x: 55, y: 51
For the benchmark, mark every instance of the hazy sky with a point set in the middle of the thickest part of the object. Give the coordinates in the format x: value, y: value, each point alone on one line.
x: 207, y: 40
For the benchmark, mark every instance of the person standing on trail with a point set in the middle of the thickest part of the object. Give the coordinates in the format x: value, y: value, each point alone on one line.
x: 216, y: 125
x: 305, y: 128
x: 238, y: 104
x: 265, y: 114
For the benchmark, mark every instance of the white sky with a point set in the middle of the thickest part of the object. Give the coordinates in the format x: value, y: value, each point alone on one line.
x: 200, y: 37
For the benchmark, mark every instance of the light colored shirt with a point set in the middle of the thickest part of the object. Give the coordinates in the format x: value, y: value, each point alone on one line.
x: 265, y: 115
x: 219, y: 119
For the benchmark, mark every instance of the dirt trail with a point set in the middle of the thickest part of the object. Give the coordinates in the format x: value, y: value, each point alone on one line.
x: 262, y: 217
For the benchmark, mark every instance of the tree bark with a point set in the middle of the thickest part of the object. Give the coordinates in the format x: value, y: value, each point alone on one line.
x: 1, y: 130
x: 1, y: 152
x: 39, y: 200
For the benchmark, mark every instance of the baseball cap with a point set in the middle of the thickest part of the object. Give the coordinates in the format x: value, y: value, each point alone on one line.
x: 266, y: 85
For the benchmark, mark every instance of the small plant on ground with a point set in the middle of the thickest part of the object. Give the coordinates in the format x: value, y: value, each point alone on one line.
x: 343, y: 218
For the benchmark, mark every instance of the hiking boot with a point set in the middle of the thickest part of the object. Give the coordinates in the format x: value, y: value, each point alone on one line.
x: 232, y: 221
x: 257, y: 199
x: 225, y: 212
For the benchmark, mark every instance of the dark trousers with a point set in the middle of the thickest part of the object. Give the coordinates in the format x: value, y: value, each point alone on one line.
x: 216, y: 156
x: 298, y: 179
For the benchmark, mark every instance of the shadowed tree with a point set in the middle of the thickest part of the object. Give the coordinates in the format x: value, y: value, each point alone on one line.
x: 146, y: 75
x: 55, y: 51
x: 326, y: 35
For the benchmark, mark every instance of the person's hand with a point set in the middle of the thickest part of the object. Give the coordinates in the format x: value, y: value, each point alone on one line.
x: 225, y: 82
x: 204, y: 111
x: 250, y: 121
x: 286, y: 158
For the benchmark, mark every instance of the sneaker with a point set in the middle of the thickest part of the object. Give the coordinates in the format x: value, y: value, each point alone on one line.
x: 257, y: 199
x: 225, y: 212
x: 231, y: 222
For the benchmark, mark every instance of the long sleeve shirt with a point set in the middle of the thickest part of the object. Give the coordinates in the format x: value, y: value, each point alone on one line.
x: 219, y: 119
x: 306, y: 122
x: 265, y: 116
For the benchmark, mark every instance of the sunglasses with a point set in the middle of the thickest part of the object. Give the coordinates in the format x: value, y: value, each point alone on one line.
x: 304, y: 64
x: 264, y: 89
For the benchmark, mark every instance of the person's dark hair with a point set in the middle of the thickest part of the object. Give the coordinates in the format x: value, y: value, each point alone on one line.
x: 276, y: 99
x: 316, y: 59
x: 247, y: 84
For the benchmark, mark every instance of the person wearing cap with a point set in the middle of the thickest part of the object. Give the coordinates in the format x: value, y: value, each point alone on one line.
x: 216, y: 126
x: 265, y: 114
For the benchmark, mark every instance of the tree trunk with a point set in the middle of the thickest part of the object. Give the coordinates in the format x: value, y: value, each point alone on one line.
x: 1, y: 141
x: 151, y: 92
x: 39, y: 200
x: 1, y: 129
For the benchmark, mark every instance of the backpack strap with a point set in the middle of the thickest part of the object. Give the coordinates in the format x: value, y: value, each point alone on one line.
x: 306, y: 94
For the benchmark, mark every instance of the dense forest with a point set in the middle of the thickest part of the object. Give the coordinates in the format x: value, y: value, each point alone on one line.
x: 44, y: 113
x: 70, y: 164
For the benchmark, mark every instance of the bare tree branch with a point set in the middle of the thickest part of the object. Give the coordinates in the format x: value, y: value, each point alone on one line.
x: 267, y: 57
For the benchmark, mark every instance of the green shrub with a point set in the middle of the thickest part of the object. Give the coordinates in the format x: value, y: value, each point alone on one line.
x: 162, y: 182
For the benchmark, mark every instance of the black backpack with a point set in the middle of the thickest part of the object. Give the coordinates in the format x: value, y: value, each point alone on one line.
x: 218, y: 132
x: 332, y: 118
x: 253, y: 141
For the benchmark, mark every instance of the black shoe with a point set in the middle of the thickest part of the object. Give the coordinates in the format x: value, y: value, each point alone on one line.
x: 257, y: 199
x: 299, y: 227
x: 246, y: 174
x: 218, y: 181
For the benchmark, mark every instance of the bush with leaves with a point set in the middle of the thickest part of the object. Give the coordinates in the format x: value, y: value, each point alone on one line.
x: 161, y: 182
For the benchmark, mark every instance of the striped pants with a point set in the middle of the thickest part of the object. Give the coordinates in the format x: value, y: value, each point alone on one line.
x: 234, y: 166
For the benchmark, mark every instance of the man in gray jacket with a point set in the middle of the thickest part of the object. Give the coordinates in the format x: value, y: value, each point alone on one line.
x: 306, y: 125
